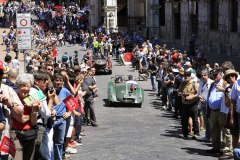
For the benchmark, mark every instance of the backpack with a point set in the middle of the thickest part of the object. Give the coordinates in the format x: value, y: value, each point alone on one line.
x: 64, y: 59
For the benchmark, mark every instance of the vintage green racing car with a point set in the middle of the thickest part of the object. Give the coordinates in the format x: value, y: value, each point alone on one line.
x: 120, y: 91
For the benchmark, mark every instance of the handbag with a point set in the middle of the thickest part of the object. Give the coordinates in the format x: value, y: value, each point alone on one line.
x: 27, y: 135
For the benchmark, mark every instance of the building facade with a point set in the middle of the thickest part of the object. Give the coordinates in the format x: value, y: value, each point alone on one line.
x: 213, y: 24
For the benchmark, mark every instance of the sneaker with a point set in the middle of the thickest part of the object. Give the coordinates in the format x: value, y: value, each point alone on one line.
x: 184, y: 136
x: 202, y: 139
x: 94, y: 124
x: 78, y: 142
x: 66, y: 157
x: 195, y: 136
x: 82, y: 134
x: 228, y: 155
x: 71, y: 150
x: 187, y: 137
x: 72, y: 144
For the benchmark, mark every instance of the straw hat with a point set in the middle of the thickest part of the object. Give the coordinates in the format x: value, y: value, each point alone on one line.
x: 230, y: 72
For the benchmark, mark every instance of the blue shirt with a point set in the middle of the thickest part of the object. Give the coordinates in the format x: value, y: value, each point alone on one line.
x: 215, y: 98
x: 61, y: 108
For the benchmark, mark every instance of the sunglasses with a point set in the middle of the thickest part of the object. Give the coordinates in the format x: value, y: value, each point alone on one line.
x: 50, y: 69
x: 231, y: 75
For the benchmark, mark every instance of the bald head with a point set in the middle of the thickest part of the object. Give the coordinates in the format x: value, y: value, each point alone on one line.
x: 13, y: 73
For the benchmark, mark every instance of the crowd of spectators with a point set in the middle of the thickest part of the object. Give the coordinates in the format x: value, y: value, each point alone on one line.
x: 34, y: 112
x: 206, y: 99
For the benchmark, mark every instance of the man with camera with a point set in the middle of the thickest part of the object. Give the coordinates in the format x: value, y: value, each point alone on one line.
x: 188, y: 91
x: 45, y: 114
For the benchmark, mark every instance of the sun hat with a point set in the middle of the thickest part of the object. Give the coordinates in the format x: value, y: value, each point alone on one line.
x: 230, y: 72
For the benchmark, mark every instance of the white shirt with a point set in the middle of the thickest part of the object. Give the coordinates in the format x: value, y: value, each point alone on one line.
x: 131, y: 82
x: 28, y: 59
x: 15, y: 63
x: 204, y: 88
x: 45, y: 111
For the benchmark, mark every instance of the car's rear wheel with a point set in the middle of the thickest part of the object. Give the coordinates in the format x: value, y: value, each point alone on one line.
x: 139, y: 105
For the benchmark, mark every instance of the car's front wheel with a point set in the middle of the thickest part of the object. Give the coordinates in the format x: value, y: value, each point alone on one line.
x: 110, y: 103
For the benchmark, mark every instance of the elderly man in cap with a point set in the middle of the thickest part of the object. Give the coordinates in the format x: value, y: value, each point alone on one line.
x: 188, y: 91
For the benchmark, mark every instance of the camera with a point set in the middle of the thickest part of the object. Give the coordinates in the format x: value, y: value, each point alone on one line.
x: 51, y: 89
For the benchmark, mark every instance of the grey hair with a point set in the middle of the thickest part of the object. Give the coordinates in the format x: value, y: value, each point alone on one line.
x: 24, y: 79
x: 205, y: 72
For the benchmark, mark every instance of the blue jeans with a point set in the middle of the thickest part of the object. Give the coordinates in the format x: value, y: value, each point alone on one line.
x: 95, y: 51
x: 153, y: 82
x: 84, y: 45
x: 114, y: 52
x: 44, y: 150
x: 59, y: 128
x: 78, y: 125
x: 170, y: 97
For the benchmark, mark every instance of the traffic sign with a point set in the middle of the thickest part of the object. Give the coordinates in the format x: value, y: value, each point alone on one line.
x: 23, y: 20
x: 24, y: 38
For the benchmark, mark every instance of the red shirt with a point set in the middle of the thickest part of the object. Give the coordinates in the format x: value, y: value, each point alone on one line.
x: 54, y: 53
x: 174, y: 57
x: 23, y: 126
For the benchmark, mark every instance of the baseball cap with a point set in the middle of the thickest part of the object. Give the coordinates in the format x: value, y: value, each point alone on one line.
x: 1, y: 66
x: 187, y: 63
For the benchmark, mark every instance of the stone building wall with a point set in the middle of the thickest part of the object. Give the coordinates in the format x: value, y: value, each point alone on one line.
x: 222, y: 40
